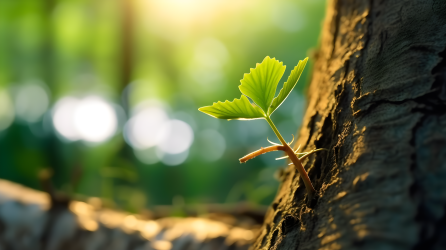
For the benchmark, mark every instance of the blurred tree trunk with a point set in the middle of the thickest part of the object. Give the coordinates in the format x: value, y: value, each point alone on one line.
x: 377, y: 101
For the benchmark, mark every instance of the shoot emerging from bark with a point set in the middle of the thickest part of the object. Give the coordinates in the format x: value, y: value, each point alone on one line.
x: 260, y: 86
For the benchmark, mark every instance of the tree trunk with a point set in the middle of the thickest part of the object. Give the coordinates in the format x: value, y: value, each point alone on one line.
x: 377, y: 101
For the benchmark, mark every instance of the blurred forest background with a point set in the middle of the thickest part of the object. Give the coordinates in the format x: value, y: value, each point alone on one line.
x: 104, y: 95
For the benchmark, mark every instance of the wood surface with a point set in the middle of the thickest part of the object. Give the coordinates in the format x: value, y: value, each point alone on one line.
x: 32, y: 220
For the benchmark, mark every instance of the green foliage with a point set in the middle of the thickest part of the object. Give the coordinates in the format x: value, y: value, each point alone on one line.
x: 240, y: 109
x: 288, y: 85
x: 260, y: 85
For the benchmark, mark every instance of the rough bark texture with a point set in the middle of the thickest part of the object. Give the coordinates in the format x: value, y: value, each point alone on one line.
x: 30, y: 221
x: 377, y: 101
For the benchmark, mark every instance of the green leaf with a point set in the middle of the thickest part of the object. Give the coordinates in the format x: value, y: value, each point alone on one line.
x: 261, y: 83
x: 239, y: 109
x: 288, y: 86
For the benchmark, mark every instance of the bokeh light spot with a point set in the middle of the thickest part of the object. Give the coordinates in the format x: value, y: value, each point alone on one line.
x: 147, y: 156
x: 213, y: 145
x: 91, y: 119
x: 63, y: 118
x: 154, y: 137
x: 145, y: 128
x: 173, y: 159
x: 95, y: 120
x: 31, y: 102
x: 179, y: 137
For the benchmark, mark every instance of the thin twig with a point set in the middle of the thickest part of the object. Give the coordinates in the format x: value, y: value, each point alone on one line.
x: 261, y: 151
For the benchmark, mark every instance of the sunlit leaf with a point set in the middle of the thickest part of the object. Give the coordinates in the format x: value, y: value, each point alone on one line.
x: 261, y: 83
x: 239, y: 109
x: 288, y: 86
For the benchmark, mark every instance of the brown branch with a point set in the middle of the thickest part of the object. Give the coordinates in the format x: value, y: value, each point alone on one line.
x: 261, y: 151
x: 303, y: 174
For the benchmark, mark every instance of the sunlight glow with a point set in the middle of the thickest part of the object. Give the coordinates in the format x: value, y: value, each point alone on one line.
x: 288, y: 17
x: 206, y: 67
x: 179, y: 11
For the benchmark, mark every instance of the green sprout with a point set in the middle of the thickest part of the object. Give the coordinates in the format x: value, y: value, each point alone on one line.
x: 260, y: 86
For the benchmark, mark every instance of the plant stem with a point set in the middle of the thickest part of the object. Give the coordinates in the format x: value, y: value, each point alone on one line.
x: 261, y: 151
x: 270, y: 122
x: 289, y: 151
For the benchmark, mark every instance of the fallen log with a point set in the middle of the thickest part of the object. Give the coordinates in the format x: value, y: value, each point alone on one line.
x: 31, y: 219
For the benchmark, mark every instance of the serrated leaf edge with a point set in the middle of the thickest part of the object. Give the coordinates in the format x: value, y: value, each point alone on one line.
x: 228, y: 103
x: 299, y: 68
x: 262, y: 92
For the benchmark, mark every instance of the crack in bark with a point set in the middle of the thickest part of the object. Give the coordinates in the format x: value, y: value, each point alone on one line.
x: 311, y: 125
x: 435, y: 100
x: 439, y: 230
x: 439, y: 72
x: 289, y: 223
x: 325, y: 141
x: 426, y: 240
x: 274, y: 238
x: 428, y: 99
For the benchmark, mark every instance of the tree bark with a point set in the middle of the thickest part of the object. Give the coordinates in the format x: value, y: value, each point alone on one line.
x: 377, y: 101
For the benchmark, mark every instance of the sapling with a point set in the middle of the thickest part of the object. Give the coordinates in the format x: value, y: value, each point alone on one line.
x: 260, y: 86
